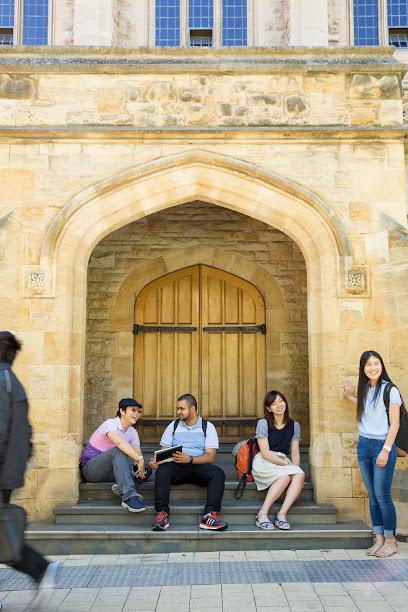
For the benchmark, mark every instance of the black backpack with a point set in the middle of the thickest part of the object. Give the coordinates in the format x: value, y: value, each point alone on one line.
x: 177, y: 421
x: 401, y: 440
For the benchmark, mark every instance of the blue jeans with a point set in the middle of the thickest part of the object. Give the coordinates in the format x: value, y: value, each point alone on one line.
x: 114, y: 465
x: 378, y: 482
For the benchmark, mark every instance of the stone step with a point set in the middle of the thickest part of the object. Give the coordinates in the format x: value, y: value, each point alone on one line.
x: 101, y: 491
x: 93, y: 538
x: 188, y: 514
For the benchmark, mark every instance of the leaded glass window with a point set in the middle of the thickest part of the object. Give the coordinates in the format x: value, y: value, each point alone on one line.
x: 398, y: 22
x: 201, y: 22
x: 366, y: 22
x: 167, y: 23
x: 397, y: 13
x: 35, y: 22
x: 234, y: 23
x: 6, y: 22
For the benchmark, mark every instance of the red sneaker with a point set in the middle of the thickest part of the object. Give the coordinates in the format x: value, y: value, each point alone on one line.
x: 211, y: 521
x: 161, y: 521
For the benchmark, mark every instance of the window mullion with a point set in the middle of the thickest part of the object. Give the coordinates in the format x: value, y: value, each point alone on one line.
x: 184, y: 25
x: 217, y: 26
x: 18, y: 22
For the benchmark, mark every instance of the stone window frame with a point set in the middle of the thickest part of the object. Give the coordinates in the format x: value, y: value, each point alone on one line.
x: 383, y: 38
x: 18, y: 28
x: 217, y: 30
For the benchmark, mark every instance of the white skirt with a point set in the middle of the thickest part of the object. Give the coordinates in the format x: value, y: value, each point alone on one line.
x: 265, y: 472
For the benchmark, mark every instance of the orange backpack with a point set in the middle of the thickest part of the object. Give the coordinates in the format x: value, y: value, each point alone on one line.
x: 244, y: 453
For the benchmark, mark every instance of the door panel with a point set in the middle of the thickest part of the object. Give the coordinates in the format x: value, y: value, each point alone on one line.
x: 225, y: 370
x: 167, y: 361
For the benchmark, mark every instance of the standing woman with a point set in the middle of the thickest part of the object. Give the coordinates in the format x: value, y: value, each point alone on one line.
x: 376, y: 449
x: 277, y: 434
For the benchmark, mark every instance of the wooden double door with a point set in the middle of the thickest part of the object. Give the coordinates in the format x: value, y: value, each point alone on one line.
x: 202, y: 331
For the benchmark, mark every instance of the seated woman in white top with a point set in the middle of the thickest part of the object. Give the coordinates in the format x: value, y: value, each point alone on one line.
x: 277, y: 434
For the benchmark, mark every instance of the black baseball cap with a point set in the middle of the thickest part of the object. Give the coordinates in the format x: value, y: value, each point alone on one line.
x: 128, y: 401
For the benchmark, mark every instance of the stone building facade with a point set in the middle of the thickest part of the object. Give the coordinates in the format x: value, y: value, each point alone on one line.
x: 281, y: 166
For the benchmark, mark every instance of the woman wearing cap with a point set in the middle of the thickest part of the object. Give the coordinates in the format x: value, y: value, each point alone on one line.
x: 113, y: 453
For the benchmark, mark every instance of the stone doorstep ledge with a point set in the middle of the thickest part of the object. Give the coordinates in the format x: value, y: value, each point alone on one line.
x: 111, y: 133
x: 182, y: 59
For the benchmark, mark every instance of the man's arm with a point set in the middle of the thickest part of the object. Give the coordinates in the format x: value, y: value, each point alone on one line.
x: 140, y: 471
x: 208, y: 457
x: 123, y: 445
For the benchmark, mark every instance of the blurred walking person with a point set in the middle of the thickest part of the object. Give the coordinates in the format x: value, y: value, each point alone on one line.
x: 15, y: 450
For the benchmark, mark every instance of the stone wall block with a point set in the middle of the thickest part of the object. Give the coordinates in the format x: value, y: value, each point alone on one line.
x: 18, y: 87
x: 348, y: 509
x: 359, y: 489
x: 349, y: 448
x: 366, y: 86
x: 391, y: 112
x: 17, y: 185
x: 325, y: 450
x: 8, y: 112
x: 325, y: 83
x: 332, y: 482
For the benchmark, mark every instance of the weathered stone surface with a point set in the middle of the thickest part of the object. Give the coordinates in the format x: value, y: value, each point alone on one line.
x: 18, y: 88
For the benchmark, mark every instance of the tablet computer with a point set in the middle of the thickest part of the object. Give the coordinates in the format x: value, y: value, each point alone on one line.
x: 165, y: 455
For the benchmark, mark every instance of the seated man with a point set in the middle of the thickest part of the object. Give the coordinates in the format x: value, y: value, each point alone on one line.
x: 193, y: 465
x: 113, y: 454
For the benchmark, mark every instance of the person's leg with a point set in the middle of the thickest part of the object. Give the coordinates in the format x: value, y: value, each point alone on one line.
x: 212, y: 477
x: 382, y: 487
x: 366, y: 463
x: 292, y: 493
x: 99, y: 468
x: 275, y: 490
x: 31, y: 563
x: 166, y: 475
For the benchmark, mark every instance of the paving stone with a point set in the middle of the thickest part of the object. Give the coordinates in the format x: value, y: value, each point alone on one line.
x: 316, y: 571
x: 18, y: 582
x: 5, y: 574
x: 156, y: 574
x: 249, y: 572
x: 199, y: 573
x: 286, y: 571
x: 114, y: 576
x: 305, y: 606
x: 103, y: 559
x: 208, y: 604
x: 337, y: 601
x: 76, y: 577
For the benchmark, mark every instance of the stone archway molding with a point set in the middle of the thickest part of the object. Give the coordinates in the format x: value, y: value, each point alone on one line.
x: 193, y: 175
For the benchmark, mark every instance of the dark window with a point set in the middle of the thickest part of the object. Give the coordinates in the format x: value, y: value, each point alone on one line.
x: 366, y: 22
x: 168, y: 23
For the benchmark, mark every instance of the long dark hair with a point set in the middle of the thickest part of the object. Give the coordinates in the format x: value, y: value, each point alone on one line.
x: 363, y: 380
x: 270, y: 397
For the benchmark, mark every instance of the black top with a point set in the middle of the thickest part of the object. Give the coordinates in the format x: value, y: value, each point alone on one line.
x: 280, y: 439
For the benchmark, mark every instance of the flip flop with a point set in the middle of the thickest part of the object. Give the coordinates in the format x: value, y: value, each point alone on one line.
x: 266, y: 525
x: 281, y: 524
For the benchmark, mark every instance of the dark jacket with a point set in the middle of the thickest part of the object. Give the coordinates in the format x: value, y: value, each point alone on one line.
x: 15, y: 431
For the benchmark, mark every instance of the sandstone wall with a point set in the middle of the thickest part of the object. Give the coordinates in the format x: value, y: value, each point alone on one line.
x: 308, y: 143
x: 185, y: 226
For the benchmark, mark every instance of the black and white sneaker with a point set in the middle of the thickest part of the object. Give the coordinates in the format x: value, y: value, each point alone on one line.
x: 211, y: 521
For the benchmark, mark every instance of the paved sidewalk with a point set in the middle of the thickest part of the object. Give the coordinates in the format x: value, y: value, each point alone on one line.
x: 280, y: 581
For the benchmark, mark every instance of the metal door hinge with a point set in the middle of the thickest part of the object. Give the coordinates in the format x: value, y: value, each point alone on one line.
x: 161, y: 328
